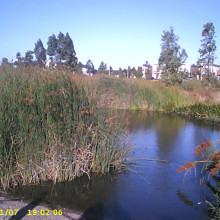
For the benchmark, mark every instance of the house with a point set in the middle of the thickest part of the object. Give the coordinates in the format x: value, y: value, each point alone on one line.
x: 156, y: 72
x: 85, y: 69
x: 133, y: 76
x: 184, y: 68
x: 116, y: 73
x: 146, y: 71
x: 203, y: 70
x: 215, y: 69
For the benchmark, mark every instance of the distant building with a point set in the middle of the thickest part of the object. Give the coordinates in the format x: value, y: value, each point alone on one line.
x: 156, y: 72
x: 215, y: 69
x: 116, y: 73
x: 133, y: 76
x: 85, y: 69
x: 146, y: 71
x: 203, y: 70
x: 184, y: 68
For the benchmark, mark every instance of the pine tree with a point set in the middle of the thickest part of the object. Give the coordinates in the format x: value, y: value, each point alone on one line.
x: 208, y: 46
x: 171, y: 57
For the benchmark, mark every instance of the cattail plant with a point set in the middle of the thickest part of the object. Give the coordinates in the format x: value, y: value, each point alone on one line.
x: 210, y: 158
x: 51, y: 129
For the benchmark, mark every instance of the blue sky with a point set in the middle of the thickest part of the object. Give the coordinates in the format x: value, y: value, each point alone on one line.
x: 118, y: 32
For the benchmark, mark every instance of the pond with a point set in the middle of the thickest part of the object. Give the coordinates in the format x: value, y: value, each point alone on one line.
x: 148, y: 189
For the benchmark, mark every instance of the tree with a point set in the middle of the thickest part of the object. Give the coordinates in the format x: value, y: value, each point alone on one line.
x: 79, y: 67
x: 69, y: 53
x: 52, y: 44
x: 139, y: 73
x: 5, y: 61
x: 102, y: 67
x: 171, y: 56
x: 18, y: 56
x: 90, y: 67
x: 111, y: 71
x: 19, y: 61
x: 61, y: 49
x: 196, y: 70
x: 208, y: 46
x: 125, y: 71
x: 122, y: 73
x: 40, y: 53
x: 128, y: 74
x: 148, y: 70
x: 28, y: 59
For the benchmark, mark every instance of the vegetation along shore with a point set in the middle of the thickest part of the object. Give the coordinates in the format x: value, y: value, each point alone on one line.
x: 57, y: 124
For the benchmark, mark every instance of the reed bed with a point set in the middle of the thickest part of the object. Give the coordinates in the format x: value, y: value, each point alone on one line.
x: 51, y: 129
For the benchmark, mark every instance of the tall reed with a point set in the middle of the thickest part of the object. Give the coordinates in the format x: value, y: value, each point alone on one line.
x: 51, y: 129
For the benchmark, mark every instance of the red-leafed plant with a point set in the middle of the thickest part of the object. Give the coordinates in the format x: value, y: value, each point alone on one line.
x: 210, y: 157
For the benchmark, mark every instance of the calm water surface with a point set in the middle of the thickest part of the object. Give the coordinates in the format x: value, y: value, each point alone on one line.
x: 149, y: 189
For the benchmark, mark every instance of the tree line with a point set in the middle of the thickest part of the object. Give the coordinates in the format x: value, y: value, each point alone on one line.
x: 60, y: 50
x: 61, y: 53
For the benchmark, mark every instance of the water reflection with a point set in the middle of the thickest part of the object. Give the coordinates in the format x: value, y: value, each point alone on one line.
x: 169, y: 195
x: 183, y: 197
x: 81, y: 194
x: 167, y: 130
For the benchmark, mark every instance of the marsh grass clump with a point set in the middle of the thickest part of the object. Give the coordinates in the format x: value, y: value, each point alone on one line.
x: 51, y: 129
x: 202, y: 111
